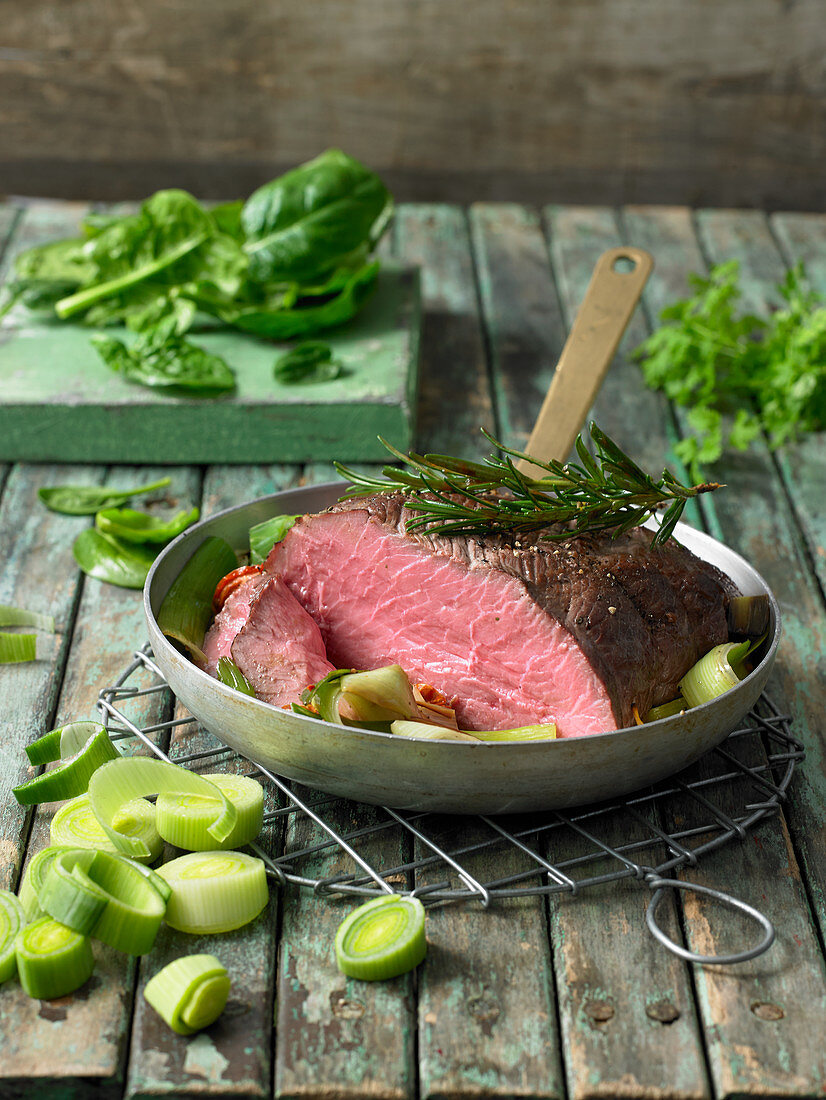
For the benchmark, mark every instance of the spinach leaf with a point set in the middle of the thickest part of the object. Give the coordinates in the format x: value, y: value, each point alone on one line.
x: 168, y: 362
x: 129, y: 525
x: 46, y: 274
x: 85, y: 500
x: 310, y: 220
x: 170, y: 225
x: 311, y: 361
x: 263, y: 536
x: 274, y: 321
x: 108, y: 559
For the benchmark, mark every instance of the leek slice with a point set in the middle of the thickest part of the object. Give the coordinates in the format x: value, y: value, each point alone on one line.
x: 382, y: 938
x: 187, y: 611
x: 12, y: 919
x: 72, y: 776
x: 17, y: 648
x: 74, y: 825
x: 430, y: 733
x: 717, y: 672
x: 520, y: 733
x: 666, y: 710
x: 190, y: 993
x: 444, y: 733
x: 18, y: 616
x: 214, y: 891
x: 33, y: 881
x: 119, y: 781
x: 105, y: 896
x: 52, y: 960
x: 183, y: 819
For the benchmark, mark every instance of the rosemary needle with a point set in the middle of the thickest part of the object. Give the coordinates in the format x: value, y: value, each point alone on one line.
x: 606, y: 491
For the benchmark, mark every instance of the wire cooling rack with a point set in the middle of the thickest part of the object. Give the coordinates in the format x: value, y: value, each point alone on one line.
x: 334, y: 846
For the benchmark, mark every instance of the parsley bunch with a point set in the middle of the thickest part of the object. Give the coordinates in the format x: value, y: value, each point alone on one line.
x: 739, y: 374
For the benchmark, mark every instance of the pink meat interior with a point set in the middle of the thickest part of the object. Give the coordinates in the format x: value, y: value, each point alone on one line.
x: 473, y: 633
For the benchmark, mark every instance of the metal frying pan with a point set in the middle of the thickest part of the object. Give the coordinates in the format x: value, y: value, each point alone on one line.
x: 451, y: 776
x: 467, y: 777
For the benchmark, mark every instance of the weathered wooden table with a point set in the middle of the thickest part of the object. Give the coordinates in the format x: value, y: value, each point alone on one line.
x: 536, y: 997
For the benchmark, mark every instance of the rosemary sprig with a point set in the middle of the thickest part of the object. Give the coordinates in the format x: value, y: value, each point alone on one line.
x: 606, y: 491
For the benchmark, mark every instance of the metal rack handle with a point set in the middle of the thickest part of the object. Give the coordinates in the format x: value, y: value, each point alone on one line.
x: 660, y: 885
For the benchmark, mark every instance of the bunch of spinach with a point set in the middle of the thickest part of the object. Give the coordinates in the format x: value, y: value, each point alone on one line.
x: 292, y: 260
x: 738, y: 374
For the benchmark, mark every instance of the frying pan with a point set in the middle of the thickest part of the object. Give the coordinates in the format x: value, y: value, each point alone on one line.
x: 452, y: 776
x: 462, y: 776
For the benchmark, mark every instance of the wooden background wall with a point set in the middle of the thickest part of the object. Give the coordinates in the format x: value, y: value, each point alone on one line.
x: 719, y: 102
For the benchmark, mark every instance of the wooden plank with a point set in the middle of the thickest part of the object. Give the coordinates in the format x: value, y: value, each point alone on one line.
x: 59, y: 401
x: 747, y: 238
x: 487, y: 1008
x: 65, y: 1047
x: 614, y: 1039
x: 602, y: 101
x: 803, y: 238
x: 455, y: 399
x: 523, y: 322
x: 39, y: 573
x: 232, y: 1056
x: 753, y: 517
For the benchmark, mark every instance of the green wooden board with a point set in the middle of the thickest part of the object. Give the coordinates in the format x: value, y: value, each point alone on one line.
x: 59, y: 402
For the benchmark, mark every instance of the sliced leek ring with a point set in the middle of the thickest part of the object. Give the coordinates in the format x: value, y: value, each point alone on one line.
x: 74, y: 825
x: 105, y: 896
x: 82, y: 747
x: 382, y: 938
x: 34, y: 878
x: 52, y: 960
x: 184, y: 819
x: 119, y: 781
x: 214, y: 891
x: 715, y: 673
x: 190, y: 993
x: 12, y: 919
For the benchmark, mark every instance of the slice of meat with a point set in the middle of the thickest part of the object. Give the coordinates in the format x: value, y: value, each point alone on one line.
x: 279, y: 648
x: 230, y: 619
x: 579, y: 632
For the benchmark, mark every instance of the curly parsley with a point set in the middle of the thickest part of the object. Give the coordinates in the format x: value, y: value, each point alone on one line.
x: 738, y: 374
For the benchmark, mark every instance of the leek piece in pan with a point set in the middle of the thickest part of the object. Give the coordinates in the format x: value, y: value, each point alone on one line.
x: 74, y: 825
x: 190, y: 993
x: 119, y: 781
x: 444, y: 733
x: 12, y: 919
x: 105, y: 896
x: 187, y: 609
x: 214, y: 891
x: 184, y: 819
x: 81, y: 746
x: 382, y: 938
x: 52, y: 960
x: 716, y: 672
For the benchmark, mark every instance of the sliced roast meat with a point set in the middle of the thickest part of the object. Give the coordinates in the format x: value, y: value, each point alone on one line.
x: 579, y: 632
x: 279, y: 648
x: 230, y: 619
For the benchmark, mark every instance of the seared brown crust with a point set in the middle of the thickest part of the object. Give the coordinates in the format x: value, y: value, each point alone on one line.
x: 642, y: 615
